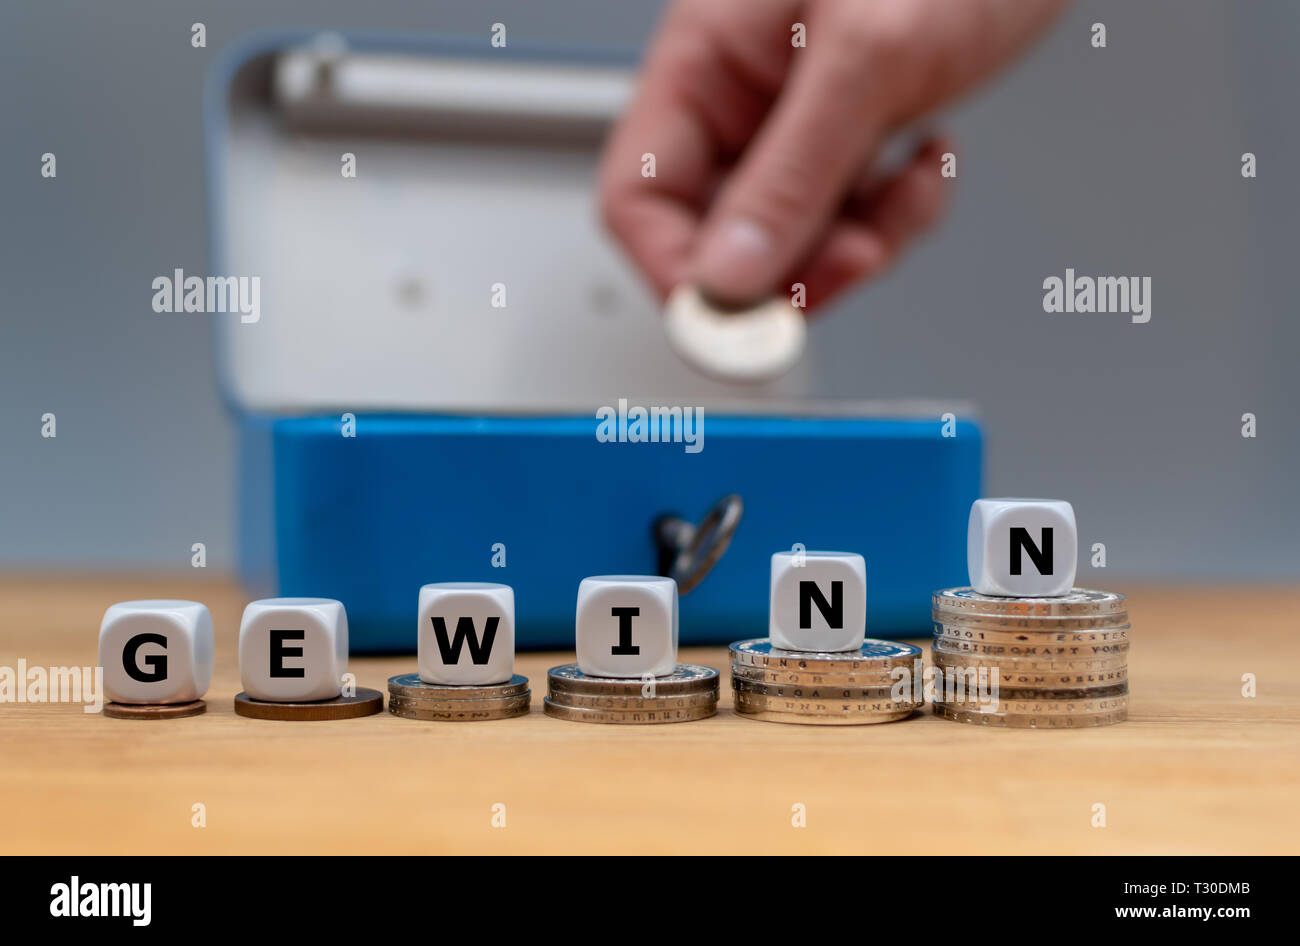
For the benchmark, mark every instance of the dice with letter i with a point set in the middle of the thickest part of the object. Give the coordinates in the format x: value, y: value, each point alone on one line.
x: 627, y: 626
x: 1022, y: 548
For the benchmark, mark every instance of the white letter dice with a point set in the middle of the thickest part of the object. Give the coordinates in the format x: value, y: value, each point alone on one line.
x: 1022, y: 548
x: 293, y: 650
x: 818, y: 602
x: 156, y: 651
x: 627, y: 626
x: 467, y: 633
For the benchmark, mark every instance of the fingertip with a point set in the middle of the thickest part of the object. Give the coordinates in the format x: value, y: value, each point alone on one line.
x: 735, y: 261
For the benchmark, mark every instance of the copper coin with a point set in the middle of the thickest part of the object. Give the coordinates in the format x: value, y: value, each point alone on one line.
x: 366, y: 702
x: 155, y: 710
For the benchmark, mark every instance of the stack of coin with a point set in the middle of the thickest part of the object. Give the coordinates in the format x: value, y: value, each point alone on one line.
x: 689, y: 692
x: 412, y: 698
x: 1047, y: 663
x: 829, y: 689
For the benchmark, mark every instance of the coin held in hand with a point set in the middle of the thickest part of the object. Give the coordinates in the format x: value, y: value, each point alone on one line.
x: 753, y: 343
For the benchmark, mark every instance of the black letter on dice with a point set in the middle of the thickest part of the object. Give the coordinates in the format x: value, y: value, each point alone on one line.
x: 625, y: 645
x: 157, y: 662
x: 479, y: 651
x: 809, y: 594
x: 279, y: 652
x: 1042, y: 558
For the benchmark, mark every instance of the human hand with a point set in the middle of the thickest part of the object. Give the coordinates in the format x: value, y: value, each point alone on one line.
x: 763, y: 151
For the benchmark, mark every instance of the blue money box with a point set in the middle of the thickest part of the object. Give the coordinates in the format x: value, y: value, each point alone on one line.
x: 441, y: 327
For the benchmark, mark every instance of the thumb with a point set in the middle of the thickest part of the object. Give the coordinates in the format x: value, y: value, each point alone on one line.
x: 793, y: 176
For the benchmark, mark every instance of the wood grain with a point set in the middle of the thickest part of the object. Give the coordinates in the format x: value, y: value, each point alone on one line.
x: 1198, y: 768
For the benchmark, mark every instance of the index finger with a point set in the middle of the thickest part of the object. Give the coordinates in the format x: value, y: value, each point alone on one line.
x: 692, y: 112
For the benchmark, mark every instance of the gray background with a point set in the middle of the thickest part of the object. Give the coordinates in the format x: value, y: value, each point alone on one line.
x: 1115, y: 161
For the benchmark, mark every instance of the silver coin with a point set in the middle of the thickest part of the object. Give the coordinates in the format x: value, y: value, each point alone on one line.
x: 1043, y: 679
x: 985, y: 635
x: 1011, y: 623
x: 652, y: 717
x: 1104, y: 650
x: 754, y: 702
x: 465, y: 711
x: 686, y: 678
x: 811, y: 677
x: 1009, y: 721
x: 829, y: 693
x: 1022, y: 667
x: 754, y: 343
x: 941, y: 654
x: 411, y: 686
x: 1079, y: 601
x: 447, y: 706
x: 872, y: 656
x: 1012, y: 694
x: 1009, y: 707
x: 803, y: 719
x: 678, y: 701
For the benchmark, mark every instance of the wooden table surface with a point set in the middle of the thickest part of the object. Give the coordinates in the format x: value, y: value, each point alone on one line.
x: 1198, y: 768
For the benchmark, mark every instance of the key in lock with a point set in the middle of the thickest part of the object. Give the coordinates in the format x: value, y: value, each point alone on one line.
x: 688, y: 551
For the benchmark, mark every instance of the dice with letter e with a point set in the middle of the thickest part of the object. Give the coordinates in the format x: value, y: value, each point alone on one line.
x: 1022, y: 548
x: 156, y: 651
x: 627, y: 626
x: 293, y: 650
x: 467, y: 633
x: 818, y: 601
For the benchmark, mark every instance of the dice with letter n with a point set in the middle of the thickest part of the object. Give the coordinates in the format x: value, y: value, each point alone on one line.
x: 1022, y: 548
x: 818, y: 601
